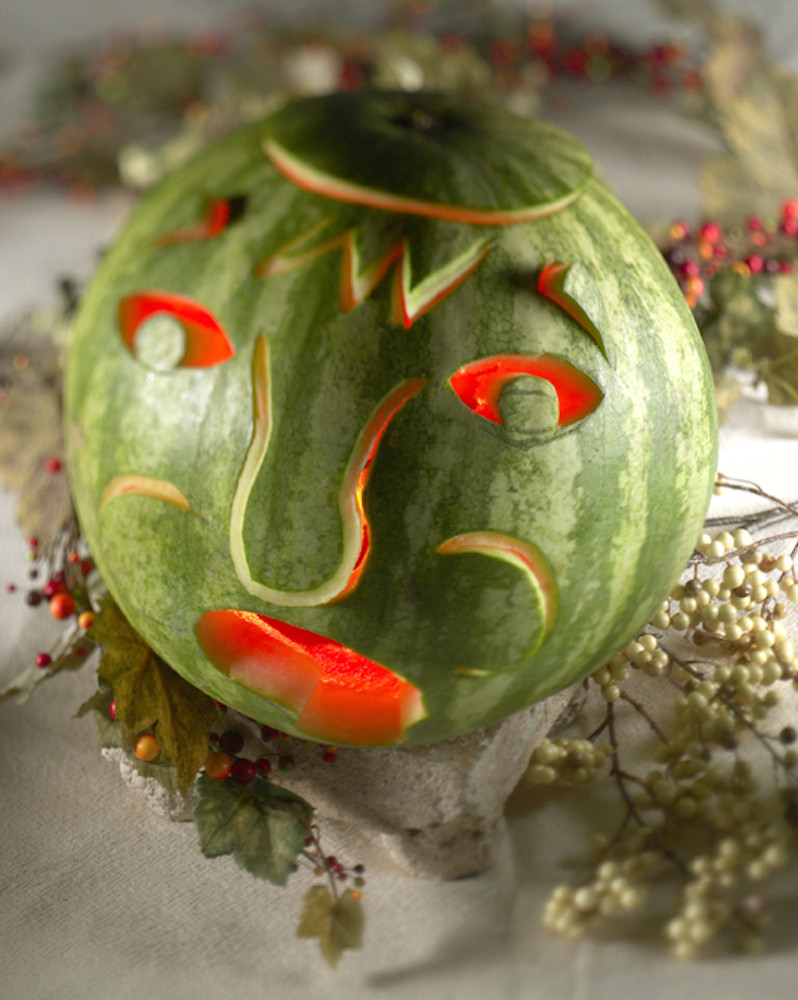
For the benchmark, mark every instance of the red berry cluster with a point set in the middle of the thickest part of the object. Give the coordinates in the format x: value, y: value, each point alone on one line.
x: 595, y: 57
x: 758, y: 247
x: 64, y: 591
x: 225, y: 760
x: 329, y: 865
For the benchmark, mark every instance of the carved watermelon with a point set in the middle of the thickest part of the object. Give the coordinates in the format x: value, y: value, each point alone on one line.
x: 385, y: 419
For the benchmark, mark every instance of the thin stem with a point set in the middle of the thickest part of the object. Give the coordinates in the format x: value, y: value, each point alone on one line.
x: 644, y: 713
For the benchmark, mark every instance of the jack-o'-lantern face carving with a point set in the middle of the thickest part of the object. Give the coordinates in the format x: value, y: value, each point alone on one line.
x: 368, y: 440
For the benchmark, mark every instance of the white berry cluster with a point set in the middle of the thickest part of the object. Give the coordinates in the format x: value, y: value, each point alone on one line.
x: 574, y: 761
x: 720, y: 897
x: 719, y: 659
x: 618, y: 886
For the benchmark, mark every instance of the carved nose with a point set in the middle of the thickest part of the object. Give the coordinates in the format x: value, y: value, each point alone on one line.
x: 354, y: 525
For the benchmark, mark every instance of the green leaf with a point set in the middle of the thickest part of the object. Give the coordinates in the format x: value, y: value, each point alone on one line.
x: 263, y: 826
x: 780, y: 373
x: 64, y: 657
x: 31, y: 433
x: 338, y: 924
x: 754, y: 108
x: 785, y: 287
x: 149, y: 694
x: 110, y: 733
x: 727, y: 391
x: 24, y: 684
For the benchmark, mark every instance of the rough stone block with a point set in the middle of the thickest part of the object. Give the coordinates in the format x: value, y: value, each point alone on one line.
x: 437, y: 809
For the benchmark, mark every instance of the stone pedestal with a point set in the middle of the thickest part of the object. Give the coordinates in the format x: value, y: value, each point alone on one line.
x: 437, y: 809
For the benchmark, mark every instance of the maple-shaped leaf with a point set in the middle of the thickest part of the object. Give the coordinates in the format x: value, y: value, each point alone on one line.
x: 261, y: 825
x: 754, y: 105
x: 31, y: 435
x: 338, y: 924
x: 148, y: 693
x: 780, y: 372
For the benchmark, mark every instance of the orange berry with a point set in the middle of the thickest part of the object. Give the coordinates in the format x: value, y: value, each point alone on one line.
x: 217, y: 764
x: 86, y: 619
x: 706, y: 250
x: 679, y: 230
x: 146, y: 747
x: 62, y: 605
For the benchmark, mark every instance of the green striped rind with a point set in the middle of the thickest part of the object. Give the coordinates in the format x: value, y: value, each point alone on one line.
x: 420, y: 154
x: 614, y: 505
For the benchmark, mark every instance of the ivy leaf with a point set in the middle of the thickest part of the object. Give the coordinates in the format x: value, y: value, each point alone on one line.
x: 338, y: 924
x: 149, y: 694
x: 263, y: 826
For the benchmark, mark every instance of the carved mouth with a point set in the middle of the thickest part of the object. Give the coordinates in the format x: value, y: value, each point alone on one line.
x: 339, y: 695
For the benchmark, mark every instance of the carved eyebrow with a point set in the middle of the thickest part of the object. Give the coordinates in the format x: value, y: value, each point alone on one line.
x: 217, y: 215
x: 206, y: 343
x: 570, y: 287
x: 479, y: 384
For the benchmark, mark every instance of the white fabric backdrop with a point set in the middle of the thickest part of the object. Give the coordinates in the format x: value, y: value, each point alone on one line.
x: 102, y: 900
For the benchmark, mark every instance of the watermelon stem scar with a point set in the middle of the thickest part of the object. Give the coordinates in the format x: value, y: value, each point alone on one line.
x: 354, y: 525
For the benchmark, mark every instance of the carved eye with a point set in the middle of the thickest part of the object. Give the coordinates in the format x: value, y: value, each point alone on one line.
x: 530, y: 396
x: 167, y: 331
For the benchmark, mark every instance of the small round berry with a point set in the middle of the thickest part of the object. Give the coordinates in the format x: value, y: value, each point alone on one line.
x: 62, y: 606
x: 711, y: 231
x: 33, y: 597
x: 146, y: 747
x: 86, y: 619
x: 231, y: 741
x: 218, y: 765
x: 243, y: 771
x: 43, y: 660
x: 112, y: 709
x: 53, y: 465
x: 264, y: 765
